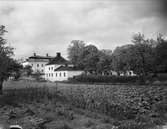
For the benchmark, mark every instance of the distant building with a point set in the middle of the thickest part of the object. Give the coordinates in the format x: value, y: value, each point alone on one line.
x: 59, y: 69
x: 37, y: 62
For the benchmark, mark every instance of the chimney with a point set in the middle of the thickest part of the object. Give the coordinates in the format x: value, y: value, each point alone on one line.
x: 58, y: 54
x: 34, y: 54
x: 47, y: 54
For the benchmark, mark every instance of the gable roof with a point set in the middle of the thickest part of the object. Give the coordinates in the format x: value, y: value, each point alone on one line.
x: 66, y: 68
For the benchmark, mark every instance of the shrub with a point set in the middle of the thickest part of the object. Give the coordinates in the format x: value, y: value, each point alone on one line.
x: 104, y: 79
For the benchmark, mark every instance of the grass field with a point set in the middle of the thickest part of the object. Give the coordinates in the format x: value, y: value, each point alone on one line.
x: 83, y: 106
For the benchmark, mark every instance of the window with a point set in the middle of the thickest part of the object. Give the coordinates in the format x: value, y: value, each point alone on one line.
x: 31, y: 64
x: 52, y: 68
x: 37, y: 65
x: 49, y: 74
x: 49, y: 68
x: 42, y: 70
x: 64, y: 74
x: 41, y: 65
x: 46, y: 75
x: 52, y: 74
x: 56, y: 74
x: 60, y: 74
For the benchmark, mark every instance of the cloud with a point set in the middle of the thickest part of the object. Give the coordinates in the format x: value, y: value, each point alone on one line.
x: 49, y: 26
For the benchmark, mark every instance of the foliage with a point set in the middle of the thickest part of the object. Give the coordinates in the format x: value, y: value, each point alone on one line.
x: 8, y: 66
x: 120, y: 62
x: 75, y: 51
x: 16, y: 69
x: 142, y: 55
x: 128, y: 106
x: 138, y: 57
x: 88, y: 57
x: 103, y: 79
x: 161, y: 55
x: 28, y: 70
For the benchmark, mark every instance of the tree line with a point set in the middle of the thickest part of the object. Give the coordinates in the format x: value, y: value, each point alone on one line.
x: 143, y: 56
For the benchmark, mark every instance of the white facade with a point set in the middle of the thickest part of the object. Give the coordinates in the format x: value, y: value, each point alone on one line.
x: 52, y: 75
x: 38, y: 66
x: 37, y: 62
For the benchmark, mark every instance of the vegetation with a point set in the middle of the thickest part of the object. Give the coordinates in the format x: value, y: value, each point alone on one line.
x: 104, y: 79
x: 143, y: 56
x: 27, y: 70
x: 88, y: 57
x: 118, y: 106
x: 8, y: 66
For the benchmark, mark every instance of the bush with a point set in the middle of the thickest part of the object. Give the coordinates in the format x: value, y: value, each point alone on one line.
x: 104, y: 79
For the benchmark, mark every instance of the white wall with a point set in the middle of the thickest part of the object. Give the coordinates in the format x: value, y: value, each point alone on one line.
x: 38, y: 66
x: 50, y: 73
x: 61, y: 75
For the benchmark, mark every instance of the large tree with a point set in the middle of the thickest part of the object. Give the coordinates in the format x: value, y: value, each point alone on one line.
x: 105, y: 61
x: 142, y: 55
x: 86, y: 57
x: 138, y: 56
x: 75, y: 52
x: 161, y: 55
x: 7, y: 64
x: 121, y: 57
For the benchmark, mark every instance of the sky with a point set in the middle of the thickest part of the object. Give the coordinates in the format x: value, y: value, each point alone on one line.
x: 48, y: 26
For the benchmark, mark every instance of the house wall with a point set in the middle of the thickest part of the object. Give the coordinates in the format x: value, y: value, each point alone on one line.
x: 38, y: 66
x: 61, y: 75
x: 49, y: 72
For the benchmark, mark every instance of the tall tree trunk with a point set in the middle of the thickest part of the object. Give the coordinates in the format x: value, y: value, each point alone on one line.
x: 1, y: 87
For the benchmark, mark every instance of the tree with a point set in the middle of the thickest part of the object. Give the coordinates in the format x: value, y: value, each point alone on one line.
x: 138, y: 56
x: 75, y: 52
x: 7, y: 64
x: 161, y: 55
x: 120, y: 58
x: 142, y: 55
x: 28, y: 70
x: 105, y: 61
x: 16, y: 69
x: 90, y: 58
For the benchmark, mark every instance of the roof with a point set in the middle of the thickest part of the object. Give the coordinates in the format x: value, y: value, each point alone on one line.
x: 66, y: 68
x: 41, y: 57
x: 58, y: 60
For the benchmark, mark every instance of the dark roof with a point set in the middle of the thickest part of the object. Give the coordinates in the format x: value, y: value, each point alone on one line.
x: 41, y: 57
x: 66, y: 68
x: 58, y: 60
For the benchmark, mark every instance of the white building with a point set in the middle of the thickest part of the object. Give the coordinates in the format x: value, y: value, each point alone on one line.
x: 37, y: 62
x: 59, y: 69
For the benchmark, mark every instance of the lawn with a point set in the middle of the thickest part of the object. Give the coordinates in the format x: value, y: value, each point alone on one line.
x: 82, y: 106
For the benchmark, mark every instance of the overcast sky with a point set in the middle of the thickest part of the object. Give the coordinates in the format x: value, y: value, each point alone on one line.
x: 49, y: 26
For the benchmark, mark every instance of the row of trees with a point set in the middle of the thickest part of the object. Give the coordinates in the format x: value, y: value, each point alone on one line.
x: 143, y: 56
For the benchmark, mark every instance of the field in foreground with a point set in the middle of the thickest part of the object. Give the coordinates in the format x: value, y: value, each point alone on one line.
x: 68, y: 106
